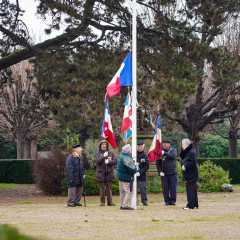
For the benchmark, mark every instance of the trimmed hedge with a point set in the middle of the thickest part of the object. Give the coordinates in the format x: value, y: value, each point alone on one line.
x: 16, y: 171
x: 228, y: 164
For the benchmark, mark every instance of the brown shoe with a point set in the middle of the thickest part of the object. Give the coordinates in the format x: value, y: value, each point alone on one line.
x: 102, y: 204
x: 111, y: 204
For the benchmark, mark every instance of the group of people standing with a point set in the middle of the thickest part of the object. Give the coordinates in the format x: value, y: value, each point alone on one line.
x: 127, y: 168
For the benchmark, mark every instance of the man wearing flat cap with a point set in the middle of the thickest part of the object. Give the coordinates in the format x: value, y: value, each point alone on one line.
x: 75, y: 176
x: 169, y: 172
x: 126, y: 168
x: 143, y: 165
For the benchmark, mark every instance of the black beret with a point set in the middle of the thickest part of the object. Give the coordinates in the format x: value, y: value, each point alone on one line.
x: 140, y: 143
x: 166, y: 141
x: 77, y: 146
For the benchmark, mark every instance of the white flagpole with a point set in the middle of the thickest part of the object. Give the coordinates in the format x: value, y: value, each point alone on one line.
x: 134, y: 96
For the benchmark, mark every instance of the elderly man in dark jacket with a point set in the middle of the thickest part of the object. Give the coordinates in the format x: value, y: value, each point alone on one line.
x: 169, y: 172
x: 75, y: 176
x: 143, y: 164
x: 105, y: 178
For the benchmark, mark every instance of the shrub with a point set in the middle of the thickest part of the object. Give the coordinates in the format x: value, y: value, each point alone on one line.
x: 49, y: 173
x: 10, y: 233
x: 212, y: 177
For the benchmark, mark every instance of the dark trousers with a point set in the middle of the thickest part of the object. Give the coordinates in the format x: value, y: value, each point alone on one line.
x: 74, y: 195
x: 102, y: 191
x: 143, y: 190
x: 192, y: 198
x: 170, y: 184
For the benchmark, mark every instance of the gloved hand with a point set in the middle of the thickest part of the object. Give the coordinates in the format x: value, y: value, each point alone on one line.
x: 161, y: 174
x: 183, y: 168
x: 83, y: 176
x: 162, y: 152
x: 106, y: 161
x: 137, y: 174
x: 105, y: 154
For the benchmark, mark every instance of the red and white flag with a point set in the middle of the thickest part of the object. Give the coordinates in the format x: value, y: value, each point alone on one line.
x: 126, y: 130
x: 123, y: 77
x: 107, y: 131
x: 155, y: 151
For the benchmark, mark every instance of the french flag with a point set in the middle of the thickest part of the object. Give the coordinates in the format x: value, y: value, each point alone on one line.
x: 123, y: 77
x: 126, y: 130
x: 107, y: 131
x: 155, y: 151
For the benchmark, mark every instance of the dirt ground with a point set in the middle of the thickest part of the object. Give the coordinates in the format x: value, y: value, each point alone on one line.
x: 47, y: 217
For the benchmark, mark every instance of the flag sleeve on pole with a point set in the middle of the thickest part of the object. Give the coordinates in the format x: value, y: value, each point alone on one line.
x: 107, y: 131
x: 155, y: 151
x: 126, y: 129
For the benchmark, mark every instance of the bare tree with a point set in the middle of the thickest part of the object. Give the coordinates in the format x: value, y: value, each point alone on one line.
x: 22, y: 111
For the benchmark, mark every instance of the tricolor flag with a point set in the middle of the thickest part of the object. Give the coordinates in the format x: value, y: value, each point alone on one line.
x: 123, y: 77
x: 155, y: 151
x: 126, y: 130
x: 107, y: 131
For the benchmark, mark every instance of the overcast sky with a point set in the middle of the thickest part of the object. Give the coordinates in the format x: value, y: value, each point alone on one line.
x: 35, y: 25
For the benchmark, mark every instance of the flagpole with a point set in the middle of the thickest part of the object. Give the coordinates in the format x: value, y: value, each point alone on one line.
x: 134, y: 96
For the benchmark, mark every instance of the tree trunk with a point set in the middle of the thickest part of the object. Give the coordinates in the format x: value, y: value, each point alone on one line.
x: 232, y: 141
x: 34, y: 151
x: 193, y: 136
x: 20, y: 145
x: 27, y: 149
x: 179, y: 142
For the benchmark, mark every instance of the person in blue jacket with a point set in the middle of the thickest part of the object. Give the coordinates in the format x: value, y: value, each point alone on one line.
x: 75, y: 176
x: 126, y: 169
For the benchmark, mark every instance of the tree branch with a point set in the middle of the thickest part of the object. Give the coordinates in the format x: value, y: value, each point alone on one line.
x: 19, y: 40
x: 218, y: 132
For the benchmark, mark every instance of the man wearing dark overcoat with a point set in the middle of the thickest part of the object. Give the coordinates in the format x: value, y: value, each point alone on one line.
x: 143, y: 165
x: 102, y: 159
x: 169, y: 172
x: 75, y: 176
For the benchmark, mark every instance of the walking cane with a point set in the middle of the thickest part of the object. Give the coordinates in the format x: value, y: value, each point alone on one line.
x: 84, y: 196
x: 162, y: 177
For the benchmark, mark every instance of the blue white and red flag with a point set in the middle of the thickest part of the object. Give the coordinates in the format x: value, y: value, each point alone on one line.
x: 126, y: 129
x: 123, y: 77
x: 107, y: 131
x: 155, y: 151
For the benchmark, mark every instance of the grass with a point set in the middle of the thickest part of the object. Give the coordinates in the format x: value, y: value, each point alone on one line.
x: 9, y: 185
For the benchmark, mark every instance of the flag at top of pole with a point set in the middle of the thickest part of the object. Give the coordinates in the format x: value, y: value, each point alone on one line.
x: 126, y: 130
x: 123, y: 77
x: 107, y: 131
x: 155, y: 151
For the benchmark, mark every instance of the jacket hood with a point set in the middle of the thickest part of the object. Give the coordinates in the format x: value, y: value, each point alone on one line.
x: 102, y: 141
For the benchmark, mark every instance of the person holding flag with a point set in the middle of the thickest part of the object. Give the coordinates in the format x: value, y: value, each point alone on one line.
x: 167, y: 169
x: 105, y: 157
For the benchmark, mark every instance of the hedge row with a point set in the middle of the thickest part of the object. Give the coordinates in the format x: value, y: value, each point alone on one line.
x: 228, y: 164
x: 16, y: 171
x: 20, y: 171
